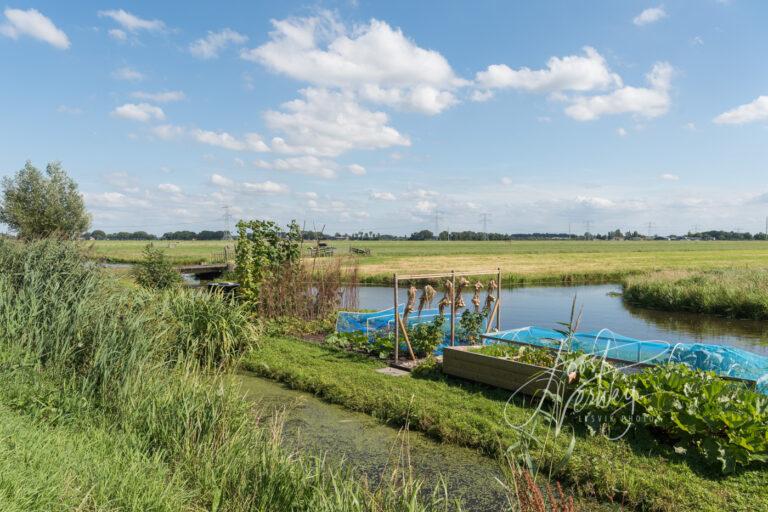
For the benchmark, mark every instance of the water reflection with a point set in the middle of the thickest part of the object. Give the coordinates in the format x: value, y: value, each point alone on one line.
x: 545, y: 306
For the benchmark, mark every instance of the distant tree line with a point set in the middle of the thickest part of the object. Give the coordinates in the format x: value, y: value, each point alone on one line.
x: 727, y: 235
x: 426, y: 234
x: 98, y: 234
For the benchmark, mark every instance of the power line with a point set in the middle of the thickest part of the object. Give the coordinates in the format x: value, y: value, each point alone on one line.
x: 227, y: 218
x: 484, y: 220
x: 438, y: 213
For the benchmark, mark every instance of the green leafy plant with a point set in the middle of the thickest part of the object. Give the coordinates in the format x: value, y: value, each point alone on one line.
x: 471, y: 325
x: 357, y: 341
x: 155, y: 270
x: 520, y: 353
x: 260, y: 251
x: 724, y: 422
x: 425, y: 337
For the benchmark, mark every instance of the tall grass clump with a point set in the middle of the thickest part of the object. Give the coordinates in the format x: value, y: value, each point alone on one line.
x: 309, y: 291
x: 733, y: 293
x: 80, y: 351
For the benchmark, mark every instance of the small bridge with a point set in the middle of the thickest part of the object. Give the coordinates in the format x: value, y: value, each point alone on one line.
x: 218, y: 263
x: 204, y: 271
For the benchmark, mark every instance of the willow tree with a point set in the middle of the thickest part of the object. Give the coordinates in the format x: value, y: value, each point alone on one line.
x: 40, y: 204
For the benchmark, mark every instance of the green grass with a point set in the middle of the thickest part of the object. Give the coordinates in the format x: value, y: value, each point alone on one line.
x: 520, y: 261
x: 179, y: 253
x: 637, y: 472
x: 63, y: 468
x: 731, y: 293
x: 105, y: 404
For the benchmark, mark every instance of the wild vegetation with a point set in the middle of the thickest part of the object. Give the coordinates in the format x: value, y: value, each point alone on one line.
x: 155, y: 271
x: 641, y: 471
x: 113, y: 399
x: 735, y: 293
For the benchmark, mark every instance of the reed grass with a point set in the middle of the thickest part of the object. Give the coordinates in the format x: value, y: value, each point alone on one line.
x: 734, y: 293
x: 311, y: 291
x: 81, y: 355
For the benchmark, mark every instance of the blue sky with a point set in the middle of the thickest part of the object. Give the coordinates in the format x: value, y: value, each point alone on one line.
x: 376, y: 115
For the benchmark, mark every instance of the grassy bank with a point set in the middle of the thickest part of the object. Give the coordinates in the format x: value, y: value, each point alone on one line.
x: 732, y: 293
x: 521, y: 261
x: 114, y: 399
x: 637, y: 471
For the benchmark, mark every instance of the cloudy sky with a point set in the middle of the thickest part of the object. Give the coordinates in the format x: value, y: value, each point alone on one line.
x: 390, y: 116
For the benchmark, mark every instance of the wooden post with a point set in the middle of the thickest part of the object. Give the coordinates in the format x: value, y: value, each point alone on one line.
x: 494, y: 313
x: 498, y: 299
x: 405, y: 335
x: 453, y: 307
x: 397, y: 324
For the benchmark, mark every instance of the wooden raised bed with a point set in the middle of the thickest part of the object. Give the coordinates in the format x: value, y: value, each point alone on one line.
x: 502, y: 373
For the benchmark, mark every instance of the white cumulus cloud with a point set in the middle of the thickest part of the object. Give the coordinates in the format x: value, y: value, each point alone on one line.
x: 383, y: 196
x: 167, y: 131
x: 356, y: 169
x: 208, y: 47
x: 142, y: 112
x: 327, y: 123
x: 669, y: 177
x: 266, y: 187
x: 127, y: 74
x: 117, y: 34
x: 169, y: 187
x: 756, y: 110
x: 159, y: 97
x: 221, y: 181
x: 650, y: 15
x: 34, y: 24
x: 375, y: 59
x: 571, y: 73
x: 647, y: 102
x: 307, y: 164
x: 131, y: 22
x: 249, y: 142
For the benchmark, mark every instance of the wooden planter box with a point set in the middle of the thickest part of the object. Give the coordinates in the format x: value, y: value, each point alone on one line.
x: 494, y: 371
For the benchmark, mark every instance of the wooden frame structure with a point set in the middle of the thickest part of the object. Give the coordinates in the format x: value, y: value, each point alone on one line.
x: 494, y: 315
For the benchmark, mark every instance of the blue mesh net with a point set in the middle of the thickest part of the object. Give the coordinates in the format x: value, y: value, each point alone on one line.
x: 723, y: 360
x: 381, y: 323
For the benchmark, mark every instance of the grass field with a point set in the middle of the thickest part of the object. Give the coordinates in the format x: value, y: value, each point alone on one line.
x: 546, y: 261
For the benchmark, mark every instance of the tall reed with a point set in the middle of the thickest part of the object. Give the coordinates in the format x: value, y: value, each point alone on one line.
x: 136, y: 362
x: 310, y: 291
x: 736, y: 293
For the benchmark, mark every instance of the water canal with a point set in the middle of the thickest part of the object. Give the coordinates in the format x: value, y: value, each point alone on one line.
x: 604, y: 308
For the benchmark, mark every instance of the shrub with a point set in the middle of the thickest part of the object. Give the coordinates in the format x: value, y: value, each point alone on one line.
x: 155, y: 270
x: 425, y: 337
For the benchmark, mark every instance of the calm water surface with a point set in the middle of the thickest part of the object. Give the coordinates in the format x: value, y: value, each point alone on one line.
x: 314, y: 426
x: 545, y: 306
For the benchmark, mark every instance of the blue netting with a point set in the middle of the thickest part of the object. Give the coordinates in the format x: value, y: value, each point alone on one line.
x: 383, y: 322
x: 723, y: 360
